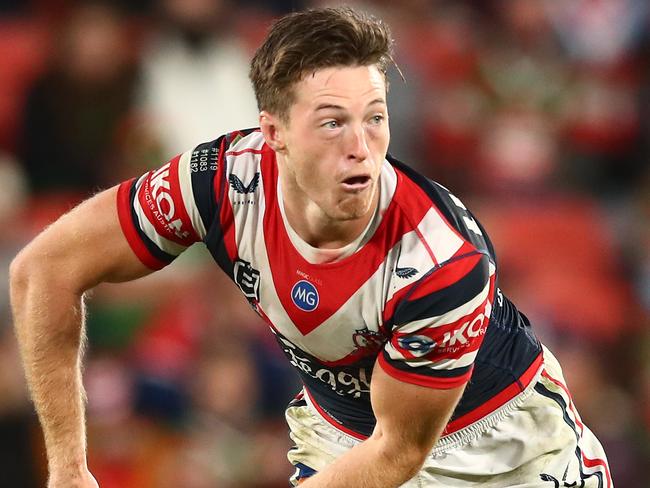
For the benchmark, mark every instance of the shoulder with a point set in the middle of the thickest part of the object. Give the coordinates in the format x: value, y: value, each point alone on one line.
x: 231, y: 143
x: 228, y: 157
x: 443, y: 220
x: 244, y: 154
x: 428, y: 191
x: 244, y: 139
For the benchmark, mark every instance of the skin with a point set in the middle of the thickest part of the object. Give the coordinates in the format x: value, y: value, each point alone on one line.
x: 337, y: 129
x: 47, y: 282
x: 330, y: 151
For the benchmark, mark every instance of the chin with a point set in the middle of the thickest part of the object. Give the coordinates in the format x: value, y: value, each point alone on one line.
x: 348, y: 216
x: 353, y: 209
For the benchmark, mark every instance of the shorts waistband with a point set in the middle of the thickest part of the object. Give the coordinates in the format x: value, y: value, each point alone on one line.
x: 455, y: 437
x: 469, y: 426
x: 318, y: 410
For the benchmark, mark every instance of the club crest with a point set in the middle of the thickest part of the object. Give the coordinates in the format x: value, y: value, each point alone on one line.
x: 368, y: 340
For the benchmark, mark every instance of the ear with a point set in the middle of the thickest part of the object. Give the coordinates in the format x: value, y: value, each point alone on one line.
x: 273, y: 130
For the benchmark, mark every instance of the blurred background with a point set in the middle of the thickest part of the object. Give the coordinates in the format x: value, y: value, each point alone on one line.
x: 535, y: 112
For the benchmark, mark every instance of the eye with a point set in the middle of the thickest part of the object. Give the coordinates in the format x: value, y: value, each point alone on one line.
x: 377, y: 119
x: 331, y: 124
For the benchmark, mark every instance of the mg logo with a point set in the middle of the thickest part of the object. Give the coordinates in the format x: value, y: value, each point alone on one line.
x: 305, y: 296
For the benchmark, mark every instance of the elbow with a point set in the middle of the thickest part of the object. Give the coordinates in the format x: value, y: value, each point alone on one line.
x: 28, y: 274
x: 19, y: 276
x: 25, y: 266
x: 413, y: 460
x: 406, y: 458
x: 23, y: 271
x: 37, y: 272
x: 37, y: 289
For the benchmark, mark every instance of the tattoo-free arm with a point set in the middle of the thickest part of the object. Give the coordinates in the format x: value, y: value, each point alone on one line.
x: 47, y: 280
x: 410, y: 418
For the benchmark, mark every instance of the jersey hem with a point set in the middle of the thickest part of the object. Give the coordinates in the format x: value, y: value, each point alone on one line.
x: 500, y: 399
x: 311, y: 402
x: 470, y: 425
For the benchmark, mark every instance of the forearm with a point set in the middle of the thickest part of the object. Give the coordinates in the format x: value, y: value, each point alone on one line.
x: 410, y: 419
x: 48, y: 322
x: 371, y: 464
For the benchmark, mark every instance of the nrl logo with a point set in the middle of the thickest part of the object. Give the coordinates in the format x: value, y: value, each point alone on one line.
x: 248, y: 280
x: 368, y: 340
x: 239, y: 187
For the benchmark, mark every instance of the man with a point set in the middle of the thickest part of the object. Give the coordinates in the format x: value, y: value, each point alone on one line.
x: 379, y: 285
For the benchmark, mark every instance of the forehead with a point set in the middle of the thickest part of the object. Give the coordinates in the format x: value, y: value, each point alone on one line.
x: 340, y: 85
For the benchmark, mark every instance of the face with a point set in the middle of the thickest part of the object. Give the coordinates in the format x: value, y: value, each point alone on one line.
x: 332, y: 147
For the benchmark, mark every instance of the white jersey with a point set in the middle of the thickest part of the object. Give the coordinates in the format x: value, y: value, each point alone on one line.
x: 416, y: 293
x: 536, y: 440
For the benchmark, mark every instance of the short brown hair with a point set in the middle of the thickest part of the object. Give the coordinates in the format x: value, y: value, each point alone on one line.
x: 303, y: 42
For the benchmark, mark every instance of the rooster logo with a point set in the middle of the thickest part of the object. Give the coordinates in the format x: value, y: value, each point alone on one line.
x: 367, y: 340
x: 239, y: 186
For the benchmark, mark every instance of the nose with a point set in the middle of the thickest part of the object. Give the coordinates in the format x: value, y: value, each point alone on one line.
x: 357, y: 144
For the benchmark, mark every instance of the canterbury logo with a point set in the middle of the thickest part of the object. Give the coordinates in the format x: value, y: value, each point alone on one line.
x: 406, y: 272
x: 239, y: 186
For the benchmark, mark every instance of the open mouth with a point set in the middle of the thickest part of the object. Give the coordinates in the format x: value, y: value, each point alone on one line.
x: 356, y: 183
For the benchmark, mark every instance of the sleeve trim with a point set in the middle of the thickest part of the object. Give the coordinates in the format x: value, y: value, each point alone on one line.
x: 427, y: 381
x: 129, y: 230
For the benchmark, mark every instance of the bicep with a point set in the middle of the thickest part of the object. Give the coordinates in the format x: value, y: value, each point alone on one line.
x: 86, y: 246
x: 409, y: 414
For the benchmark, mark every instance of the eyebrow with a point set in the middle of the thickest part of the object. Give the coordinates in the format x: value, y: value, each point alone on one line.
x: 332, y: 106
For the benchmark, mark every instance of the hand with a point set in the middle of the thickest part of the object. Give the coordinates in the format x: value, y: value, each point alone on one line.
x: 85, y: 480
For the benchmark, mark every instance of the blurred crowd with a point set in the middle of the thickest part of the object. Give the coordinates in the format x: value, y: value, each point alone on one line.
x: 535, y: 112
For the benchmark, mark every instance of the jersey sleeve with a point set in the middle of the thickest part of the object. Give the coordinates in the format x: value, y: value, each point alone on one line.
x: 439, y: 324
x: 167, y: 210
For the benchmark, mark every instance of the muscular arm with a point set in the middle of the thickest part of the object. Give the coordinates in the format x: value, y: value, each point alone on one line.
x: 410, y: 419
x: 48, y: 279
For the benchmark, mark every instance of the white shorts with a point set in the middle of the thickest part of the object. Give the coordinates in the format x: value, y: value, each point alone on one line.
x: 535, y: 440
